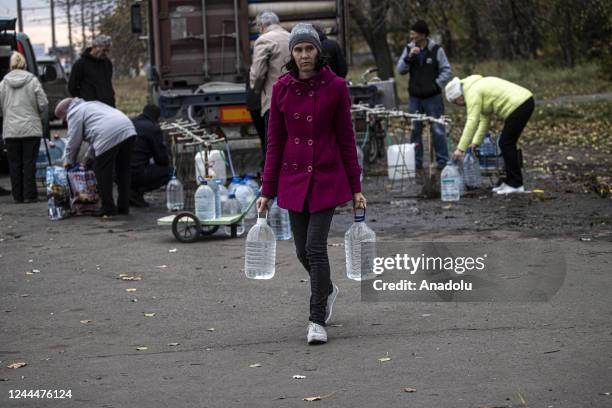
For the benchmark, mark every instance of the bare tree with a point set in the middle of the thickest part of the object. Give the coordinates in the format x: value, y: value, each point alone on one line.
x: 371, y: 18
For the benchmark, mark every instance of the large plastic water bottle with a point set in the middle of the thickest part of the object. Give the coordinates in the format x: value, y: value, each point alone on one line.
x: 278, y: 218
x: 471, y: 169
x: 175, y: 196
x: 215, y: 188
x: 245, y: 195
x: 260, y: 251
x: 360, y: 250
x: 450, y: 182
x: 205, y: 202
x: 360, y: 161
x: 231, y: 189
x: 233, y: 207
x: 487, y: 153
x: 249, y: 181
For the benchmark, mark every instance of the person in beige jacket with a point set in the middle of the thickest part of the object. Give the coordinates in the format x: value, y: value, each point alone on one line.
x: 270, y: 54
x: 23, y: 102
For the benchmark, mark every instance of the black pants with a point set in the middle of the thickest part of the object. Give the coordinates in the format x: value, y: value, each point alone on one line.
x: 310, y: 236
x: 513, y: 127
x: 117, y: 159
x: 150, y: 178
x: 21, y: 154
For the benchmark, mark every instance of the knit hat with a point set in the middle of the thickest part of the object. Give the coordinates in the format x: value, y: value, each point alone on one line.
x: 303, y: 32
x: 453, y: 89
x: 420, y: 27
x: 61, y: 109
x: 101, y: 41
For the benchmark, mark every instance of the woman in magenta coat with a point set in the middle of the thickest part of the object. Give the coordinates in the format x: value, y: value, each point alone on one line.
x: 311, y: 163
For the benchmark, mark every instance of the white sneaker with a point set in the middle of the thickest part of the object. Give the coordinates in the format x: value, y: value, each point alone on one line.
x: 502, y: 185
x: 510, y: 190
x: 330, y: 303
x: 316, y: 334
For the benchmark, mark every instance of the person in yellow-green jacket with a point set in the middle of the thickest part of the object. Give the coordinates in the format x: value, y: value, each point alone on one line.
x: 484, y: 97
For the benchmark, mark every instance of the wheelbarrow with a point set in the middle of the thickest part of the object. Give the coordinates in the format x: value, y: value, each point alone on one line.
x: 188, y: 228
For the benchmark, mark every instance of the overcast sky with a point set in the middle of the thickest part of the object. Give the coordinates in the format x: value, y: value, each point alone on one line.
x: 37, y: 21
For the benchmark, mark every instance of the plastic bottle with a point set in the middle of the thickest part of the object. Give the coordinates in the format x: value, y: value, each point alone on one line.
x: 488, y: 152
x: 234, y: 183
x: 245, y: 195
x: 215, y: 188
x: 450, y: 182
x: 360, y: 250
x: 471, y: 169
x: 232, y: 207
x: 260, y: 251
x: 251, y: 182
x: 222, y: 191
x: 175, y: 197
x: 278, y: 218
x: 205, y: 202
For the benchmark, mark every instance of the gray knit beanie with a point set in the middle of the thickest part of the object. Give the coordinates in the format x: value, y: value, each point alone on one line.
x: 303, y: 32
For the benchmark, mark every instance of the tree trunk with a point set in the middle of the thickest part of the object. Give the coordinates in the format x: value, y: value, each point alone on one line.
x: 374, y: 31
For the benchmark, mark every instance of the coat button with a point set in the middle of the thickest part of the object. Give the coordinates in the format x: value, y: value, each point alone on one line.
x: 312, y: 83
x: 296, y: 115
x: 309, y: 118
x: 298, y: 93
x: 310, y: 142
x: 309, y: 169
x: 311, y: 93
x: 322, y: 82
x: 285, y: 165
x: 296, y: 140
x: 295, y: 166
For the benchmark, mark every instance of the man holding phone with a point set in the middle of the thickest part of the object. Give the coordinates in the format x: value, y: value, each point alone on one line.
x: 429, y: 72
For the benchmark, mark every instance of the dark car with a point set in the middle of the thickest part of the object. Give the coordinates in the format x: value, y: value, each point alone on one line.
x: 10, y: 41
x: 57, y: 89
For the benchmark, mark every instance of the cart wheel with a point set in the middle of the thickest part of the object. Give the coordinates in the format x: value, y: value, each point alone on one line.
x: 186, y: 227
x: 208, y: 229
x: 371, y: 151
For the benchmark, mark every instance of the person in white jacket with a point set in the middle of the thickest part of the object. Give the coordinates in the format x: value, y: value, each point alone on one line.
x: 23, y: 102
x: 111, y: 136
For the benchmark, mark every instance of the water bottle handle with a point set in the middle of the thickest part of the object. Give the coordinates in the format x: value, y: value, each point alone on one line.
x: 259, y: 212
x: 359, y: 216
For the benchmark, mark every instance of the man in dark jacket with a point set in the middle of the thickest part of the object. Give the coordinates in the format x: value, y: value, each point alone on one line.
x: 333, y: 53
x: 429, y: 72
x: 91, y: 75
x: 150, y: 159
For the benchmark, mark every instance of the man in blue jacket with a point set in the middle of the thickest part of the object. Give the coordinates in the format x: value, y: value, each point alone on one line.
x: 150, y: 157
x: 429, y: 72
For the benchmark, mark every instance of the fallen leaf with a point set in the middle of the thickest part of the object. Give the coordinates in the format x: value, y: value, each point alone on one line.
x: 29, y: 273
x: 35, y: 271
x: 173, y: 344
x: 25, y: 295
x: 86, y: 321
x: 299, y: 377
x: 162, y: 266
x: 384, y: 359
x: 318, y: 397
x: 447, y: 207
x: 18, y: 364
x: 336, y: 325
x: 211, y: 329
x: 131, y: 278
x: 149, y: 314
x: 130, y: 290
x: 256, y: 365
x: 408, y: 389
x: 172, y: 250
x: 121, y: 275
x: 538, y: 191
x: 142, y: 348
x: 605, y: 393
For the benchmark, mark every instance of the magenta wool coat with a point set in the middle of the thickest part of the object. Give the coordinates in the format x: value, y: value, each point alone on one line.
x: 311, y: 152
